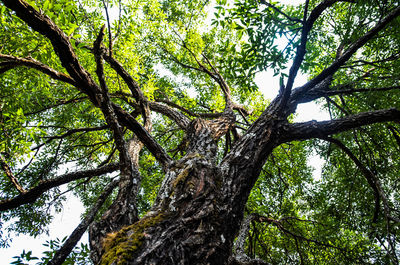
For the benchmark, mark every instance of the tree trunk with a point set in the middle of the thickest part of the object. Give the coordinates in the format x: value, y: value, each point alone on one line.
x: 200, y: 205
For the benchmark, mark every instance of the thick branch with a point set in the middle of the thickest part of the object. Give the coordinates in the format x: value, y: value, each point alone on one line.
x: 62, y: 253
x: 176, y: 116
x: 123, y: 211
x: 297, y: 94
x: 132, y: 124
x: 12, y: 61
x: 314, y: 129
x: 61, y: 44
x: 34, y: 193
x: 130, y: 82
x: 180, y: 119
x: 132, y: 85
x: 301, y: 49
x: 108, y: 111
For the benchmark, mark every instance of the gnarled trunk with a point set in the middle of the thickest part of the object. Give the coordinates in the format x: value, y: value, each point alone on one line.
x: 200, y: 205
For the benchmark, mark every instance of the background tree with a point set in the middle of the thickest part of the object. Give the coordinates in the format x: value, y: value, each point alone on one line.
x: 206, y: 170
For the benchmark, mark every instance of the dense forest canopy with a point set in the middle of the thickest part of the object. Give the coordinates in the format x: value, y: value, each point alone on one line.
x: 148, y: 112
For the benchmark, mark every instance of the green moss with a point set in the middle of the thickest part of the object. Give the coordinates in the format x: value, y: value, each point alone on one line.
x: 120, y: 246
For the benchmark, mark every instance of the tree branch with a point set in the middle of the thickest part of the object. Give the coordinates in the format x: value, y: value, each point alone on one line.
x: 61, y: 44
x: 10, y: 62
x: 371, y: 178
x: 330, y: 70
x: 11, y: 176
x: 133, y: 87
x: 62, y: 253
x: 176, y: 116
x: 57, y: 104
x: 109, y: 28
x: 108, y: 111
x: 128, y: 169
x: 314, y: 129
x: 222, y: 83
x: 279, y: 224
x: 69, y: 133
x: 281, y: 12
x: 83, y: 81
x: 318, y: 93
x: 34, y: 193
x: 359, y: 90
x: 130, y: 82
x: 213, y: 73
x: 132, y: 124
x: 189, y: 112
x: 301, y: 49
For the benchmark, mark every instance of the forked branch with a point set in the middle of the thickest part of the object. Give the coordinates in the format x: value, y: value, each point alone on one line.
x: 301, y: 49
x: 83, y: 80
x: 347, y: 54
x: 108, y: 111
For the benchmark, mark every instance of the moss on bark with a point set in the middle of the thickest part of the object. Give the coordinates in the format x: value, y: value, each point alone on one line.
x: 119, y: 247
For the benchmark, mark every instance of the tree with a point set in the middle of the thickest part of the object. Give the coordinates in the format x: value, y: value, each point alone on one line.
x: 208, y: 172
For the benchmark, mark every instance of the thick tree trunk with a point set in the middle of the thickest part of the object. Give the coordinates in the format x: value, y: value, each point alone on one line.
x: 188, y: 225
x: 200, y: 205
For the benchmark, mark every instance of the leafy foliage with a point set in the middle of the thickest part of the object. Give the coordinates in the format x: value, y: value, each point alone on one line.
x: 80, y: 255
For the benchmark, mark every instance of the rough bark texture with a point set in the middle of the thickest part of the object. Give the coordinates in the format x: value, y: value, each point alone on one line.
x: 199, y: 208
x: 123, y: 210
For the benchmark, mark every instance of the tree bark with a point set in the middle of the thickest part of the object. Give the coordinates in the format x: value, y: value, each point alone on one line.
x: 200, y: 205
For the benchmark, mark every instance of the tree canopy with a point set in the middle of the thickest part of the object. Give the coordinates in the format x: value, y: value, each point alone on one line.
x: 148, y: 112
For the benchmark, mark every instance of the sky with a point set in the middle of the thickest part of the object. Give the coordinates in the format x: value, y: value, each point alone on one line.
x: 69, y: 218
x: 63, y: 225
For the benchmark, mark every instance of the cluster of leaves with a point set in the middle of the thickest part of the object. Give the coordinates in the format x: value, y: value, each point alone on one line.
x: 268, y: 37
x: 79, y: 255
